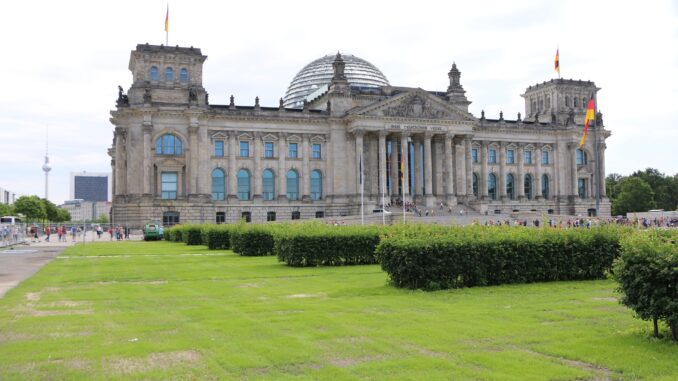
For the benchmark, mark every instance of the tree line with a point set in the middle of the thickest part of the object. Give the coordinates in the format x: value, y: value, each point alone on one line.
x: 642, y: 191
x: 34, y: 208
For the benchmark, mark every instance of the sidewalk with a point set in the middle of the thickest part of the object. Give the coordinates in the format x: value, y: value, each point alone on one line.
x: 20, y: 262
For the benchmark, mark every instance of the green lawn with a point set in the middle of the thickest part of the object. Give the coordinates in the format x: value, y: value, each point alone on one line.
x: 161, y: 310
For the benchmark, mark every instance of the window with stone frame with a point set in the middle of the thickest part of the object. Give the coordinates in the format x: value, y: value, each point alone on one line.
x: 293, y: 150
x: 219, y: 148
x: 474, y: 155
x: 492, y: 157
x: 316, y: 151
x: 528, y: 156
x: 268, y: 149
x: 545, y: 157
x: 244, y: 149
x: 168, y: 185
x: 582, y: 188
x: 581, y: 157
x: 510, y: 156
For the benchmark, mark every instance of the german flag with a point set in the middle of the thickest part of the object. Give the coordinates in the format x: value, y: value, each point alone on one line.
x: 167, y: 20
x: 557, y: 62
x: 590, y: 114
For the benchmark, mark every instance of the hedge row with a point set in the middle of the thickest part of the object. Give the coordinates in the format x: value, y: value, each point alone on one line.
x: 647, y: 273
x: 478, y: 256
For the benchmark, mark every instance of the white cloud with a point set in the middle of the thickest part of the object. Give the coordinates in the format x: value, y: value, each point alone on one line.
x: 63, y: 61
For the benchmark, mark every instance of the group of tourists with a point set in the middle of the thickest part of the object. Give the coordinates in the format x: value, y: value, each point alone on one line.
x: 9, y: 235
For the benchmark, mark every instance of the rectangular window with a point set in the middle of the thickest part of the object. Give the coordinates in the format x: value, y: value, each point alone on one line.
x: 528, y: 157
x: 244, y: 149
x: 316, y: 151
x: 510, y: 157
x: 492, y: 159
x: 170, y: 218
x: 247, y: 216
x: 268, y: 149
x: 581, y: 185
x: 320, y: 214
x: 296, y: 215
x: 219, y: 148
x: 474, y: 155
x: 169, y: 185
x: 545, y: 157
x: 270, y: 216
x: 293, y: 150
x: 221, y: 217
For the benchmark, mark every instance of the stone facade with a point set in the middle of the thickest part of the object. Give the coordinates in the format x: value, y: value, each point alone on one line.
x: 177, y: 157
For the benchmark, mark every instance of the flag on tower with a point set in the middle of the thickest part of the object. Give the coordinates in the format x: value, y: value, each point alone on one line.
x: 590, y: 115
x: 557, y: 62
x: 167, y: 20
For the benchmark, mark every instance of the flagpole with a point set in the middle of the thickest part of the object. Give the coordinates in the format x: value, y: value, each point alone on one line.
x: 362, y: 193
x: 596, y: 151
x: 167, y: 26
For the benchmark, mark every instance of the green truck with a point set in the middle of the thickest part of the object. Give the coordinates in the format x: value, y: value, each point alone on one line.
x: 152, y: 232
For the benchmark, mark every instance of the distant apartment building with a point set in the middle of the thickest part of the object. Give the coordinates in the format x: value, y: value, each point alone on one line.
x: 82, y: 211
x: 90, y: 186
x: 7, y: 196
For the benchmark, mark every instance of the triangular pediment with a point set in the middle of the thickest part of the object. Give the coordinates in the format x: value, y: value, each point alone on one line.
x: 415, y: 104
x: 269, y: 137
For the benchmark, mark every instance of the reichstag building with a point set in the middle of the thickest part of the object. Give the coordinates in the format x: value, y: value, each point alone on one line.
x: 340, y: 131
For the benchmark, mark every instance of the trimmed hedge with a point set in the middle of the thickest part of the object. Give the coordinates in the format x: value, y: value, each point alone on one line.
x: 192, y: 234
x: 252, y: 240
x: 479, y: 256
x: 174, y: 233
x: 647, y: 273
x: 322, y: 245
x: 217, y: 237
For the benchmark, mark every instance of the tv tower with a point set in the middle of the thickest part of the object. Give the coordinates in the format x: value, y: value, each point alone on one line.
x: 46, y: 167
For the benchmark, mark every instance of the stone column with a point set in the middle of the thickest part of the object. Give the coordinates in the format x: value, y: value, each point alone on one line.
x: 193, y: 158
x: 428, y: 170
x: 519, y: 183
x: 404, y: 148
x: 256, y: 170
x: 449, y: 165
x: 232, y: 177
x: 573, y: 170
x: 395, y: 166
x: 282, y: 173
x: 417, y: 168
x: 372, y: 175
x: 359, y: 134
x: 305, y: 177
x: 382, y: 164
x: 468, y: 161
x: 501, y: 181
x: 601, y: 151
x: 148, y: 163
x: 120, y: 136
x: 537, y: 175
x: 482, y: 182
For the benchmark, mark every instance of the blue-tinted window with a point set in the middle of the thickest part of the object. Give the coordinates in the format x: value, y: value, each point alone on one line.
x: 292, y: 185
x: 581, y: 157
x: 510, y: 157
x: 183, y: 75
x: 510, y: 187
x: 474, y: 155
x: 293, y: 153
x: 168, y: 185
x: 243, y: 184
x: 581, y: 187
x: 218, y: 185
x: 268, y: 149
x: 528, y: 187
x: 168, y: 144
x: 475, y: 185
x: 153, y: 73
x: 316, y: 185
x: 545, y: 157
x: 528, y: 157
x: 268, y: 183
x: 545, y: 186
x: 219, y: 148
x: 244, y: 149
x: 492, y: 157
x: 169, y: 74
x: 492, y: 186
x: 316, y: 151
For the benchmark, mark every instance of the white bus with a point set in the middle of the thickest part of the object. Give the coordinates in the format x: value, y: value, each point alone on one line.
x: 10, y: 220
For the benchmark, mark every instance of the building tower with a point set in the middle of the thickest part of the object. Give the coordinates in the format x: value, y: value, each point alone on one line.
x: 46, y: 167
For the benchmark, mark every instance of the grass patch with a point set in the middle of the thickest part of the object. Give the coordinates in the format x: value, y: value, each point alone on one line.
x: 161, y: 310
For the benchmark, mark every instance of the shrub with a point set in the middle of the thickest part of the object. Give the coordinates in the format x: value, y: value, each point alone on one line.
x: 174, y: 233
x: 192, y: 234
x: 647, y: 273
x: 322, y: 245
x: 478, y: 256
x: 251, y: 240
x: 217, y: 237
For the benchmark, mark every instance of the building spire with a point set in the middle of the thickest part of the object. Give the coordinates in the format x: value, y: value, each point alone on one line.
x: 46, y: 167
x: 455, y: 92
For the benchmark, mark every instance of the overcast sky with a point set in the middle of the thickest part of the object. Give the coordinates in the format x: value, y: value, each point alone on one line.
x: 63, y: 60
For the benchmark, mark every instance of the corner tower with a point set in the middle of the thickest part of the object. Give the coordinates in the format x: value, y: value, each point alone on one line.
x: 559, y: 101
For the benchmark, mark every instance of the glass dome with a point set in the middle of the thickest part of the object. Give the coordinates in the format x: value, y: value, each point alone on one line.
x: 316, y: 76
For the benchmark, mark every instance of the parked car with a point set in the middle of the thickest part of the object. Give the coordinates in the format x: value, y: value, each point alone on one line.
x: 152, y: 232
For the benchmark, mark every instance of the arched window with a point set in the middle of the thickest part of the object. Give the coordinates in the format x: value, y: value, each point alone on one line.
x: 268, y: 182
x: 218, y: 185
x: 183, y: 75
x: 475, y: 185
x: 292, y: 185
x: 581, y: 157
x: 316, y: 185
x: 528, y: 187
x: 169, y: 74
x: 492, y: 186
x: 168, y: 144
x: 153, y: 73
x: 510, y: 187
x: 243, y: 184
x: 545, y: 186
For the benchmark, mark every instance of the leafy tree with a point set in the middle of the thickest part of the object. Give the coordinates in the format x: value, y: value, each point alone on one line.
x: 635, y: 196
x: 660, y: 184
x: 51, y: 210
x: 30, y: 206
x: 102, y: 219
x: 6, y: 210
x: 63, y: 215
x: 613, y: 185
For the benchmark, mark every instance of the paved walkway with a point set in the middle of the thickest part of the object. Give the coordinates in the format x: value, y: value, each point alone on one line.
x: 20, y: 262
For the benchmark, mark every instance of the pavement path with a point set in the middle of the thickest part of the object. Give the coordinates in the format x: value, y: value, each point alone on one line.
x: 20, y: 262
